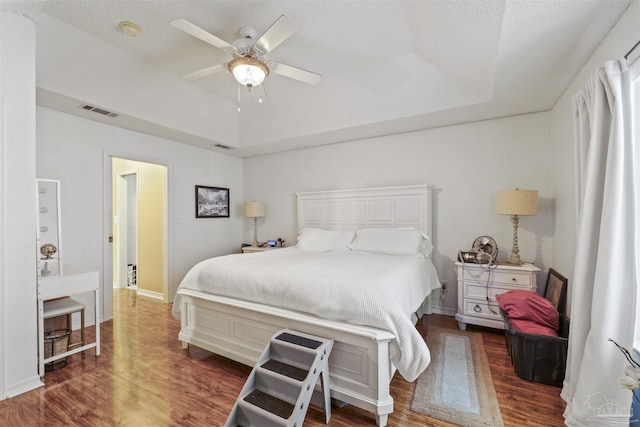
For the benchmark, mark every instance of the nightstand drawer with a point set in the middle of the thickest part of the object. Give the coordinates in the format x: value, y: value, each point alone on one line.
x: 510, y: 278
x: 480, y: 291
x: 479, y: 308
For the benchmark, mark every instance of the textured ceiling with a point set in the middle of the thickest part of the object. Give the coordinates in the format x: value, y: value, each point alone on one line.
x: 387, y: 66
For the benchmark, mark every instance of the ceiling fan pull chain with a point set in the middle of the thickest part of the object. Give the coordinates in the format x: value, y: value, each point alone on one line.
x: 263, y: 95
x: 238, y: 85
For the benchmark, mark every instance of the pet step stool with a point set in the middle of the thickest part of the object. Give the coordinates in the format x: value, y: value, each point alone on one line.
x: 282, y: 383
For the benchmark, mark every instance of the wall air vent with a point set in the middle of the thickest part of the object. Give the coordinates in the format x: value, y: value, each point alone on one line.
x: 99, y: 110
x: 224, y: 147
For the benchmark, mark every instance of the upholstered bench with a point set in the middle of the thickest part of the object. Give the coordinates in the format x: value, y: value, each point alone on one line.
x: 66, y: 307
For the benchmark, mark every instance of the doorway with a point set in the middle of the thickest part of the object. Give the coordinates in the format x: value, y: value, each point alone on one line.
x: 139, y: 227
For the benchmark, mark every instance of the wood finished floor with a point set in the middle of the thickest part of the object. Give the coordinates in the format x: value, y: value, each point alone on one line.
x: 144, y: 378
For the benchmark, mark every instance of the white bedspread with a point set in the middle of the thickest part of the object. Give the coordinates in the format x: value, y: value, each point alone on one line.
x: 381, y: 291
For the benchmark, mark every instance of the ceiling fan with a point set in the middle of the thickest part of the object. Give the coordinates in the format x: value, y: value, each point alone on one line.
x: 249, y: 65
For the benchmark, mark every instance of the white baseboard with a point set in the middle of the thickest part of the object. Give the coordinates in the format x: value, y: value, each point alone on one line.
x: 447, y: 311
x: 151, y: 294
x: 76, y: 324
x: 24, y: 386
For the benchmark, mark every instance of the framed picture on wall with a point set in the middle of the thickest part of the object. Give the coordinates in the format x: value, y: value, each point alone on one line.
x: 212, y: 202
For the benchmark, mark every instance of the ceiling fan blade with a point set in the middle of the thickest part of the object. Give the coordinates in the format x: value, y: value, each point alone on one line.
x: 296, y: 73
x: 207, y: 72
x: 278, y: 32
x: 199, y: 33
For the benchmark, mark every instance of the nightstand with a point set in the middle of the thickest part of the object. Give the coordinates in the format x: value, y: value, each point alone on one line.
x: 252, y: 249
x: 475, y: 282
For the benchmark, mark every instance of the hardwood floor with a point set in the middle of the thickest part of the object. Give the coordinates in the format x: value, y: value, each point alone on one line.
x: 144, y: 378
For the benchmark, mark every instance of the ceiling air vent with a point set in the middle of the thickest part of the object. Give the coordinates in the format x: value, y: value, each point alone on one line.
x: 224, y: 147
x: 99, y: 110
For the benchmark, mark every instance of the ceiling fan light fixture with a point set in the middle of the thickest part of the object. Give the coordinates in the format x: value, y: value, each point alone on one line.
x: 248, y: 71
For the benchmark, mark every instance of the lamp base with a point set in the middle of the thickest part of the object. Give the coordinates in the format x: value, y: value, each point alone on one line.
x: 255, y: 233
x: 514, y: 258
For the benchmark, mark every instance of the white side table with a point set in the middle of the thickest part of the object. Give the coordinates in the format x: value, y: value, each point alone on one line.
x: 478, y: 286
x: 73, y: 281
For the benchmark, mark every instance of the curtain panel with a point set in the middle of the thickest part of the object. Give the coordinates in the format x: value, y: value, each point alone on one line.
x: 604, y: 284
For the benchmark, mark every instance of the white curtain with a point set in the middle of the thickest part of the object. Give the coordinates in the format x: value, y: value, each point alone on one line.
x: 604, y: 283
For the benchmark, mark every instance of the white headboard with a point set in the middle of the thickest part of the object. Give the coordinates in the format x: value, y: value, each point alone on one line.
x: 405, y: 206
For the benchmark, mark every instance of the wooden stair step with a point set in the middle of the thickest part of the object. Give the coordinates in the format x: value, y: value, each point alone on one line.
x: 285, y: 369
x: 269, y: 403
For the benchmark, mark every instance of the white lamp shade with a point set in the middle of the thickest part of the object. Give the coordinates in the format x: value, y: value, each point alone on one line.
x: 517, y: 202
x: 254, y: 209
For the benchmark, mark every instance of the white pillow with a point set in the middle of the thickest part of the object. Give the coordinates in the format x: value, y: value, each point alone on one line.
x: 317, y: 240
x: 391, y: 241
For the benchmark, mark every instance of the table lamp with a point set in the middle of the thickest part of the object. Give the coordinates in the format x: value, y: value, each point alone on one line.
x: 515, y: 203
x: 254, y: 210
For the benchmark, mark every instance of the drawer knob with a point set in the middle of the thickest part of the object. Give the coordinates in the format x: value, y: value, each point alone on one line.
x: 477, y: 309
x: 513, y: 279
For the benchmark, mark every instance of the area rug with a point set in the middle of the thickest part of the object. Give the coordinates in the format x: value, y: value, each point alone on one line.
x: 457, y: 386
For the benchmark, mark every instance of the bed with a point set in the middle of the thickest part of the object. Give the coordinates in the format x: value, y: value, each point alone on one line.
x: 217, y: 300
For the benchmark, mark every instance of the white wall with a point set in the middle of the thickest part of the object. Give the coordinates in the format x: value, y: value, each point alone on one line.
x: 72, y: 150
x: 617, y: 43
x: 18, y: 333
x: 467, y: 163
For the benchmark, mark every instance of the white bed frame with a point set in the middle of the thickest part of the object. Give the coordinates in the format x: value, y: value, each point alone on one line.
x: 360, y: 367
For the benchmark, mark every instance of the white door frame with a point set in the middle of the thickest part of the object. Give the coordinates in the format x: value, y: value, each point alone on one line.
x: 3, y: 333
x: 107, y: 229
